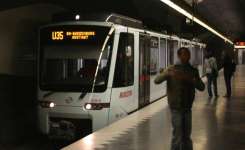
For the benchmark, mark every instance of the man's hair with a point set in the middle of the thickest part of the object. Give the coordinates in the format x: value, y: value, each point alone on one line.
x: 182, y: 49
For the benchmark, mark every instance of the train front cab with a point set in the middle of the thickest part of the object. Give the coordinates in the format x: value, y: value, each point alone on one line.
x: 75, y: 78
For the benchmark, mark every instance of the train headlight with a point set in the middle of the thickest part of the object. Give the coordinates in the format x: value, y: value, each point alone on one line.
x: 88, y: 106
x: 96, y: 106
x: 47, y: 104
x: 51, y: 105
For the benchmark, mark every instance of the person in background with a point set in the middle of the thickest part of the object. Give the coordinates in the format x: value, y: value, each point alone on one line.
x: 182, y: 80
x: 229, y: 69
x: 212, y: 72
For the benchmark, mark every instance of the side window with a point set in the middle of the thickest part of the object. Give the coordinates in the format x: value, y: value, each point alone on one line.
x: 199, y: 55
x: 154, y: 55
x: 175, y: 49
x: 124, y: 71
x: 193, y: 55
x: 173, y: 46
x: 162, y: 54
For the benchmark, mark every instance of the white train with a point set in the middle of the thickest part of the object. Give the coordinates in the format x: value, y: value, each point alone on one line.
x: 93, y: 73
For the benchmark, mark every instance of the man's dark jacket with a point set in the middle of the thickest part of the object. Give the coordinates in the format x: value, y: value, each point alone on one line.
x: 181, y: 93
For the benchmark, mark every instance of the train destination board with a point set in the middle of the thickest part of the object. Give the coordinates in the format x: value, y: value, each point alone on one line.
x: 72, y: 35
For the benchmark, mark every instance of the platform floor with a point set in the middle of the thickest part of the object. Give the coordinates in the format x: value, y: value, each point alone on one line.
x: 218, y: 124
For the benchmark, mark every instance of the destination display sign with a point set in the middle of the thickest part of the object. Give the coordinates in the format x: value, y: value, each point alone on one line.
x: 62, y: 35
x: 72, y: 35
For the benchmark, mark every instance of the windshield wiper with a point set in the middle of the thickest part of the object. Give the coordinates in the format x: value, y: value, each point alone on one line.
x: 82, y: 95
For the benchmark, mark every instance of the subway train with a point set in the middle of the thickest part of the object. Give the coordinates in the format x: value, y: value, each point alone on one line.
x: 95, y: 70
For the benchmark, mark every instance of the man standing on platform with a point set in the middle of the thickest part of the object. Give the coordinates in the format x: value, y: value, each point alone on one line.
x: 229, y: 69
x: 182, y: 80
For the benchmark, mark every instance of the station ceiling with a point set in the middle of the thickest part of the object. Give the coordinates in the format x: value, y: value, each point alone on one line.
x: 224, y: 15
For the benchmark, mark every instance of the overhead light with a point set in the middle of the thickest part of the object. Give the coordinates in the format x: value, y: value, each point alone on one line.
x: 77, y: 17
x: 188, y: 21
x: 239, y: 47
x: 195, y: 19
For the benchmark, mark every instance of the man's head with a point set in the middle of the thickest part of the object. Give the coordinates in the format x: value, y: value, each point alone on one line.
x: 184, y: 55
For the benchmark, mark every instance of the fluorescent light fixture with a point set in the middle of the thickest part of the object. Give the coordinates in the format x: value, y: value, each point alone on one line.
x: 239, y: 47
x: 190, y: 16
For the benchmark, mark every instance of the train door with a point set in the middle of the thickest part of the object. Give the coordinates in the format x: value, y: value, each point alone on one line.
x: 241, y: 57
x: 157, y: 64
x: 144, y: 70
x: 123, y: 100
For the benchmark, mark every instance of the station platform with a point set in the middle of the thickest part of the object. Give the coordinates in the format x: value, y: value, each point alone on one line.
x: 218, y: 124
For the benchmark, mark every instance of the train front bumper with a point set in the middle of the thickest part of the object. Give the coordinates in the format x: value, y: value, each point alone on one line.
x: 65, y: 122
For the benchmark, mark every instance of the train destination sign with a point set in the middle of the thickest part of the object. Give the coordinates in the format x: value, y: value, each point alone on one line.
x: 72, y: 35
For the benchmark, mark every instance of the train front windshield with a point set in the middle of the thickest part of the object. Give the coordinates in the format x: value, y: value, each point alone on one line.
x: 70, y: 56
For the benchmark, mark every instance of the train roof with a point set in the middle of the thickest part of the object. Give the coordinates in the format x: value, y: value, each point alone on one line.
x: 107, y: 19
x: 101, y: 17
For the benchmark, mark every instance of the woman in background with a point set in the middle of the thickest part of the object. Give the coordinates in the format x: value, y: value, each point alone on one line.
x: 211, y: 71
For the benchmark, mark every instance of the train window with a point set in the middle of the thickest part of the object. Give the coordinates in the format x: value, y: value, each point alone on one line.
x: 154, y: 55
x: 162, y: 54
x: 196, y: 55
x: 199, y: 55
x: 77, y: 66
x: 124, y: 71
x: 172, y: 51
x: 192, y: 50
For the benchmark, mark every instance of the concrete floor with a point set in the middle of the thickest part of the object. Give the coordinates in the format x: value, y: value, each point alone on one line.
x: 218, y: 124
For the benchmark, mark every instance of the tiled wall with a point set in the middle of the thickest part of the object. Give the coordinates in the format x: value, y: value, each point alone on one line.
x: 18, y: 47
